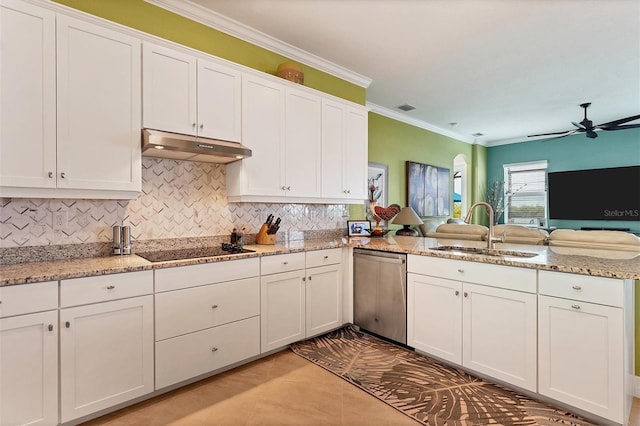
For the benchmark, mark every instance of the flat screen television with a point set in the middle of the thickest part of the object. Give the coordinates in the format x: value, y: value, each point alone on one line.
x: 595, y: 194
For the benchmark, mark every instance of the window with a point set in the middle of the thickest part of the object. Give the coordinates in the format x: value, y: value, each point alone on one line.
x: 526, y: 193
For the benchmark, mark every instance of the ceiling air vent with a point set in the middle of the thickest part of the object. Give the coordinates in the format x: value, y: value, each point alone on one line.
x: 406, y: 107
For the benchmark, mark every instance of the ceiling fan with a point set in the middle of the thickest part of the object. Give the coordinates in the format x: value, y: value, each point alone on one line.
x: 587, y: 126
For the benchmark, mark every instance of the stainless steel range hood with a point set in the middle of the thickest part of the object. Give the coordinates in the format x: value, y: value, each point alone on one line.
x: 176, y: 146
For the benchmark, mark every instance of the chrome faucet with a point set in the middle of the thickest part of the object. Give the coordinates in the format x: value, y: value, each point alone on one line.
x: 490, y: 238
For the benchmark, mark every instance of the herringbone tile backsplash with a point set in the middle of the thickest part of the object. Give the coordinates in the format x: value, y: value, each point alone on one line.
x: 178, y: 199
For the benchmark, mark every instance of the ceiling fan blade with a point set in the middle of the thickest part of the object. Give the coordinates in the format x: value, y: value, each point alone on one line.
x: 626, y: 126
x: 561, y: 136
x: 619, y: 121
x: 591, y: 134
x: 568, y: 132
x: 578, y: 125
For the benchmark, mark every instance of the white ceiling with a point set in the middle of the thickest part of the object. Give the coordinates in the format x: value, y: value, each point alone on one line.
x: 504, y: 68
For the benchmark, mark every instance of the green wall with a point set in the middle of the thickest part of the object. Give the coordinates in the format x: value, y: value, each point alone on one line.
x: 154, y: 20
x: 393, y: 143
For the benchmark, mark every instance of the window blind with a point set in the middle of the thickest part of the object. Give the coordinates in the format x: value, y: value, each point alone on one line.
x: 526, y: 193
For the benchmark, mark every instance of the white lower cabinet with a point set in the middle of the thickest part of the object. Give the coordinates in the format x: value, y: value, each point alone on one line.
x: 323, y: 299
x: 491, y: 330
x: 200, y: 352
x: 297, y: 302
x: 585, y: 341
x: 207, y: 317
x: 29, y: 355
x: 106, y: 347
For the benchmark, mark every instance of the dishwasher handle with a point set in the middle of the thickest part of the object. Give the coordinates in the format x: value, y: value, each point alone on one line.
x: 395, y: 260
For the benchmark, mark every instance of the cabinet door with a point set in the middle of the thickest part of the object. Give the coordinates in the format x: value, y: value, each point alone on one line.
x: 323, y: 299
x: 499, y: 334
x: 434, y: 316
x: 263, y: 132
x: 219, y: 101
x: 355, y: 164
x: 282, y: 309
x: 98, y: 108
x: 168, y: 90
x: 333, y: 149
x: 28, y: 101
x: 302, y: 144
x: 29, y: 369
x: 581, y: 355
x: 106, y: 355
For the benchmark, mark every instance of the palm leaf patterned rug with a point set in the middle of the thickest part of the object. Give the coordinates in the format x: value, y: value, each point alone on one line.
x: 420, y: 387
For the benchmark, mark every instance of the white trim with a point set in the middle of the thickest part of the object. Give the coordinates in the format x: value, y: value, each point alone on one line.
x: 636, y: 387
x: 422, y: 124
x: 243, y: 32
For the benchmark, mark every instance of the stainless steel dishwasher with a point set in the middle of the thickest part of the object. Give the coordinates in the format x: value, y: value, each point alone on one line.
x: 380, y: 293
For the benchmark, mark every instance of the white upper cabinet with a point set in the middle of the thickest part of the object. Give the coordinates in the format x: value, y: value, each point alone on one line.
x: 168, y: 90
x: 189, y: 95
x: 263, y: 132
x: 98, y: 108
x: 70, y: 107
x: 306, y: 147
x: 344, y: 151
x: 219, y: 101
x: 302, y: 144
x: 28, y: 101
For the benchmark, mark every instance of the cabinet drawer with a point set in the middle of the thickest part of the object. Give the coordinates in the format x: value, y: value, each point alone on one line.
x: 323, y: 257
x: 80, y: 291
x: 184, y: 311
x: 282, y: 263
x: 193, y: 354
x: 28, y: 298
x: 509, y: 277
x: 206, y: 273
x: 604, y: 291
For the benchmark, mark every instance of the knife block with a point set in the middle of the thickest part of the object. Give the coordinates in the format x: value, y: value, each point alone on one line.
x: 264, y: 238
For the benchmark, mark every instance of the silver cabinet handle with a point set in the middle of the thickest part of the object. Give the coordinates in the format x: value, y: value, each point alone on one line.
x: 461, y: 270
x: 457, y: 293
x: 466, y: 294
x: 67, y: 324
x: 62, y: 175
x: 285, y: 263
x: 284, y: 188
x: 348, y: 191
x: 50, y: 174
x: 576, y: 287
x: 111, y: 287
x: 575, y: 306
x: 214, y: 306
x: 193, y: 125
x: 288, y: 188
x: 214, y: 349
x: 304, y: 279
x: 50, y: 327
x: 309, y: 277
x: 201, y: 126
x: 344, y: 190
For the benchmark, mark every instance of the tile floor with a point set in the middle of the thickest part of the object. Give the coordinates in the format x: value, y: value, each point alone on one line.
x: 282, y: 389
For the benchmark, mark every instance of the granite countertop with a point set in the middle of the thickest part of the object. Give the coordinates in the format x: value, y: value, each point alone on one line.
x: 603, y: 263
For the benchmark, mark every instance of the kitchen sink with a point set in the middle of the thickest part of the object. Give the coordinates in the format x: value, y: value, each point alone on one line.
x: 485, y: 251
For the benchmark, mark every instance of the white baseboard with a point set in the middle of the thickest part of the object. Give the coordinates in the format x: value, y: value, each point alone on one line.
x: 636, y: 386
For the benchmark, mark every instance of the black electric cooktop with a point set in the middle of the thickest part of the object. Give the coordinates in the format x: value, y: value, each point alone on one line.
x: 193, y: 253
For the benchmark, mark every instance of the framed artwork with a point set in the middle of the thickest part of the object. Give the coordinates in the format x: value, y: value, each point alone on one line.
x: 428, y: 189
x: 377, y: 187
x: 359, y: 228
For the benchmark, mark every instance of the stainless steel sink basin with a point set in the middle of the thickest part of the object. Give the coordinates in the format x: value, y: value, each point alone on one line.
x: 485, y: 251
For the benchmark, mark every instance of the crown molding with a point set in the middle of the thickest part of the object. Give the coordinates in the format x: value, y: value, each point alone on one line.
x: 243, y: 32
x: 421, y: 124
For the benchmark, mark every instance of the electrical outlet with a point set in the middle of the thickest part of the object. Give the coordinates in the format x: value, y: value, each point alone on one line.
x: 60, y: 220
